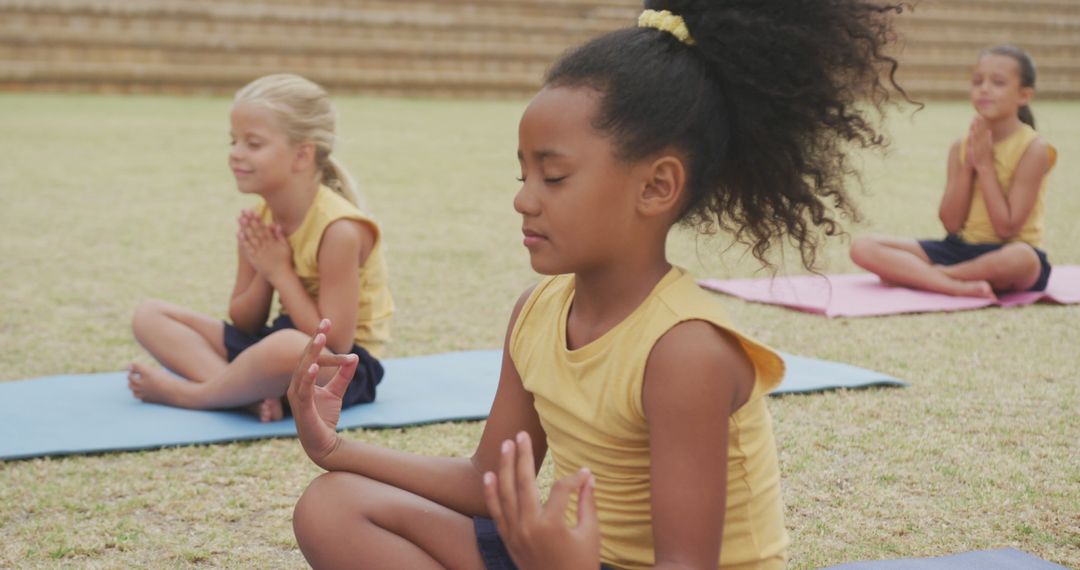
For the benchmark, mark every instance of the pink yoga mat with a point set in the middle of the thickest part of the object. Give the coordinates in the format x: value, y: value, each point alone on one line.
x: 863, y: 295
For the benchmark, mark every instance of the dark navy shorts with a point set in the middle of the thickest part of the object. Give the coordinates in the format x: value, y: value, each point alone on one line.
x: 492, y: 549
x: 953, y: 250
x: 361, y: 390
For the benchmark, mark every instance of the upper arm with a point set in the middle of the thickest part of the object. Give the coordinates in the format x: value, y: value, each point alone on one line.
x: 511, y: 412
x: 697, y: 376
x: 345, y: 247
x: 1026, y: 182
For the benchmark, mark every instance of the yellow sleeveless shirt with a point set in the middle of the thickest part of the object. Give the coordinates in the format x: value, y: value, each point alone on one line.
x: 375, y: 305
x: 589, y: 402
x: 1007, y: 154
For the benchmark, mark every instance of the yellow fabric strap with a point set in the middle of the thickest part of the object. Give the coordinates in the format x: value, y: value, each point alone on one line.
x: 665, y: 21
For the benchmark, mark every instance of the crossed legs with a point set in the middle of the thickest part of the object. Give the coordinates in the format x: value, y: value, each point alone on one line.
x: 1014, y: 267
x: 192, y: 345
x: 345, y: 520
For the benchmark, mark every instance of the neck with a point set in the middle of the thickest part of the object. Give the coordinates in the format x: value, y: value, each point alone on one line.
x: 290, y: 203
x: 1000, y: 129
x: 604, y: 296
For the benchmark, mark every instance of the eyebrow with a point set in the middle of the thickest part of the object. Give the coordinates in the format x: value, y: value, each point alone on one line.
x: 542, y: 155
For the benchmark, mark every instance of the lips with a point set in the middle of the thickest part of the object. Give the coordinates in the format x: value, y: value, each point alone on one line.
x: 532, y: 237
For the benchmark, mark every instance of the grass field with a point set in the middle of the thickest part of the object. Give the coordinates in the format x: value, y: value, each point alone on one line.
x: 106, y: 201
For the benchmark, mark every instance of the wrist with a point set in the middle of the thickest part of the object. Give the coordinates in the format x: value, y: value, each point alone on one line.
x: 329, y: 460
x: 277, y: 276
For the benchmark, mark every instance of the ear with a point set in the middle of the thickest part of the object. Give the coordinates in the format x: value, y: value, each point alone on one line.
x: 304, y: 158
x: 665, y: 183
x: 1026, y: 95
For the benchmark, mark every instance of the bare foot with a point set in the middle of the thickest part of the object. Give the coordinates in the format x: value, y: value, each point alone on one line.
x: 152, y: 384
x: 980, y: 289
x: 268, y: 410
x: 965, y: 288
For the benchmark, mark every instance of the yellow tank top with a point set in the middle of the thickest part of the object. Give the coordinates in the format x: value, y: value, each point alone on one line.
x: 376, y: 305
x: 1007, y: 154
x: 589, y: 403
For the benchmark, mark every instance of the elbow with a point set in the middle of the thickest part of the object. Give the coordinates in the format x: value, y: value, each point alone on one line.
x: 951, y: 224
x: 234, y: 317
x: 1007, y: 231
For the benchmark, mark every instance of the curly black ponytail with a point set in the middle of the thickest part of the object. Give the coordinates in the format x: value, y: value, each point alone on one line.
x: 765, y: 105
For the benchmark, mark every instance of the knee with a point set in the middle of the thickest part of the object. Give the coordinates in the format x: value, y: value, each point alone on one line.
x: 286, y: 344
x: 862, y: 250
x: 1022, y: 256
x: 146, y: 313
x: 319, y: 513
x: 309, y: 509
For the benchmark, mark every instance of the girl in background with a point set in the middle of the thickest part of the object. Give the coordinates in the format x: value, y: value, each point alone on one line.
x: 650, y: 401
x: 992, y: 209
x: 306, y: 240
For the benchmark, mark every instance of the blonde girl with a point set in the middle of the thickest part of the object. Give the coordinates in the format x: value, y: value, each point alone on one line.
x: 992, y: 209
x: 650, y: 403
x: 306, y: 240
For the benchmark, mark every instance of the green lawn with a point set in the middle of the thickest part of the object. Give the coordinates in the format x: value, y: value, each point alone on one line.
x: 105, y: 201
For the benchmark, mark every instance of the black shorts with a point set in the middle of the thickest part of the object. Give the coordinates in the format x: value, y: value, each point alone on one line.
x: 361, y: 390
x: 492, y: 549
x: 953, y: 250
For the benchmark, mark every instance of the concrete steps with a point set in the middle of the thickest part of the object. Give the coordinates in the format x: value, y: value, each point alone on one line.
x: 469, y: 48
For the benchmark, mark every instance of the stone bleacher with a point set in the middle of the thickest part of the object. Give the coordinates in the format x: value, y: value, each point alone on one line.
x: 460, y: 48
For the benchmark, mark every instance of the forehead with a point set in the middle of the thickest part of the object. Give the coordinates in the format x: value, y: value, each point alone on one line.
x: 997, y: 63
x: 253, y: 117
x: 560, y: 114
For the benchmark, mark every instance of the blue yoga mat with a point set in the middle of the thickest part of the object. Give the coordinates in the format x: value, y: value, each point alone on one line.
x: 89, y: 413
x: 1000, y: 559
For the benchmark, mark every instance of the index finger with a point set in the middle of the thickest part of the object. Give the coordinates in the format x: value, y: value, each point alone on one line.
x: 525, y: 476
x: 314, y: 346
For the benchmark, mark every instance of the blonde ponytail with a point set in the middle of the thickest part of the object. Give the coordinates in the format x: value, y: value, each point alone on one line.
x: 335, y: 177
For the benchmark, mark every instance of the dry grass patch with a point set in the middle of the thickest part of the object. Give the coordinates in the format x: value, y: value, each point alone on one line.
x: 106, y: 201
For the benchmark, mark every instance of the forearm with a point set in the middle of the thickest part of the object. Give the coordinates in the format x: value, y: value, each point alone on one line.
x: 997, y: 203
x: 453, y: 482
x: 297, y: 303
x: 956, y: 202
x: 249, y: 309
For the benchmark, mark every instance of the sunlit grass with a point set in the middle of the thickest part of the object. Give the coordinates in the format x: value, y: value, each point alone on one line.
x: 106, y: 201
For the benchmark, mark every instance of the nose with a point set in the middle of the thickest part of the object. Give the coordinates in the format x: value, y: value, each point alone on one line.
x: 234, y: 152
x: 525, y: 202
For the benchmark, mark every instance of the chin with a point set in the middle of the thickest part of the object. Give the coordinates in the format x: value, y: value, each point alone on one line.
x: 543, y: 268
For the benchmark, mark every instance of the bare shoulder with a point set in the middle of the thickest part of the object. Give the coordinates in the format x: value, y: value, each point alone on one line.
x: 344, y: 240
x: 696, y: 357
x: 347, y: 230
x: 1038, y: 151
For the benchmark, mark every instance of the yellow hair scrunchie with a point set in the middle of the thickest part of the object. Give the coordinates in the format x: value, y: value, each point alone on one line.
x: 665, y: 21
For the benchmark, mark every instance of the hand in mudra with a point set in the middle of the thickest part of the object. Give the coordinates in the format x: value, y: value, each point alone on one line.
x: 315, y: 408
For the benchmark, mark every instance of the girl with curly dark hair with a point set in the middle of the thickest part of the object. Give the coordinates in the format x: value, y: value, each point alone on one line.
x: 728, y: 114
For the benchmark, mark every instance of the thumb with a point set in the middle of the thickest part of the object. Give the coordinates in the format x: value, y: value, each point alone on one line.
x: 586, y: 511
x: 341, y: 380
x: 559, y: 496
